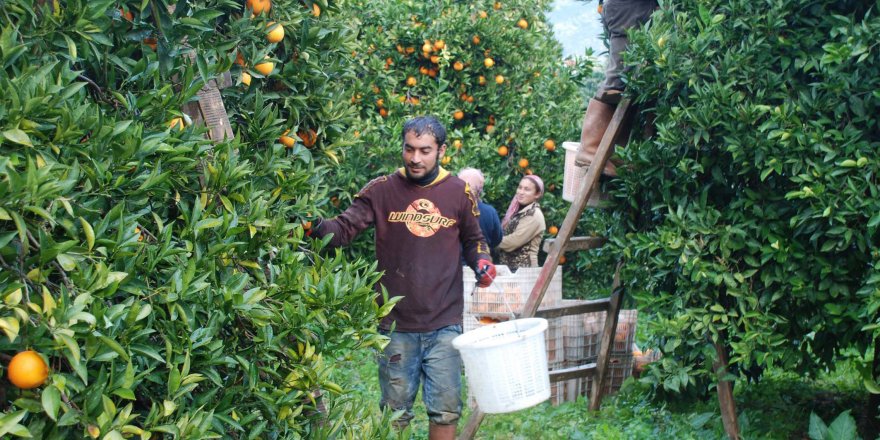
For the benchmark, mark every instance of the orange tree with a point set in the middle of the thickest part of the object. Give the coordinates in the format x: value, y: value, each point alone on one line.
x: 490, y: 71
x: 166, y: 279
x: 758, y: 220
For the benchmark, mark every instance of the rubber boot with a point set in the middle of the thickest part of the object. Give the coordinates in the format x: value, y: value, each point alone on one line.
x: 596, y: 120
x: 441, y: 432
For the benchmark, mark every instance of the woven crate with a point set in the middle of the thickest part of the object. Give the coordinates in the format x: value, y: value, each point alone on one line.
x: 509, y: 292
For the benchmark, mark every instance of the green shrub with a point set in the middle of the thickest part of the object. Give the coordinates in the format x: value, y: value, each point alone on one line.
x: 754, y: 207
x: 166, y: 279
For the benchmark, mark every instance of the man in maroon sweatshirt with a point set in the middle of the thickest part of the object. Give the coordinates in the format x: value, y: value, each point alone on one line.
x: 426, y: 220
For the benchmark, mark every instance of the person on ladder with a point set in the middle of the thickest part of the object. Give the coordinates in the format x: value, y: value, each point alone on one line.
x: 618, y: 16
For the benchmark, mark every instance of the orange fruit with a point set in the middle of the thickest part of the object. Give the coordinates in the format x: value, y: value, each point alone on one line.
x: 550, y: 145
x: 457, y: 144
x: 383, y: 112
x: 307, y: 225
x: 458, y: 115
x: 446, y: 160
x: 488, y: 320
x: 410, y: 50
x: 258, y: 6
x: 286, y: 140
x: 308, y: 137
x: 265, y: 67
x: 432, y: 72
x: 502, y: 150
x: 427, y: 47
x: 435, y: 59
x: 523, y: 163
x: 482, y: 80
x: 276, y: 32
x: 414, y: 100
x: 488, y: 62
x: 553, y: 230
x: 246, y: 78
x: 458, y: 65
x: 316, y: 10
x: 490, y: 129
x: 522, y: 23
x: 439, y: 45
x: 562, y: 259
x: 152, y: 42
x: 176, y: 122
x: 239, y: 59
x: 27, y: 370
x: 499, y: 79
x: 483, y: 14
x: 127, y: 15
x: 380, y: 102
x: 411, y: 81
x: 476, y: 39
x: 497, y: 5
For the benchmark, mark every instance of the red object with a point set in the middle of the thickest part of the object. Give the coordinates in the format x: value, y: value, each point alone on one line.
x: 486, y: 272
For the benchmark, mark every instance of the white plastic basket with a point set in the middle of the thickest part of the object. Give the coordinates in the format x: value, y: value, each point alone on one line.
x: 506, y: 364
x: 573, y: 175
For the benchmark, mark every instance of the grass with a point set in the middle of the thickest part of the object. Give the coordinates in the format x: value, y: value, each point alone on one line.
x: 778, y: 407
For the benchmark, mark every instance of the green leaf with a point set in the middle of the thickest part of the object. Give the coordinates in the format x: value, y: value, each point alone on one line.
x: 51, y: 402
x: 90, y: 233
x: 18, y: 136
x: 208, y: 223
x: 66, y: 262
x: 9, y: 424
x: 71, y: 47
x: 818, y: 429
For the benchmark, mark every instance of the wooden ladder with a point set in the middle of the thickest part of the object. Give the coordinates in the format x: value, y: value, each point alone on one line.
x: 564, y: 241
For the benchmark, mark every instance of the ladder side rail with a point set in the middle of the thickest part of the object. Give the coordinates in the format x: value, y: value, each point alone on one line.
x: 607, y: 341
x: 588, y: 185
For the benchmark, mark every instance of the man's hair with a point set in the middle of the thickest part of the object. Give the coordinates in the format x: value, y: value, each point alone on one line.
x: 421, y: 125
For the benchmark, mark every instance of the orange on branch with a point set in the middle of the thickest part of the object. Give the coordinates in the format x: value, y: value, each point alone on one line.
x: 502, y: 150
x: 276, y: 32
x: 550, y: 145
x: 523, y: 163
x: 27, y: 370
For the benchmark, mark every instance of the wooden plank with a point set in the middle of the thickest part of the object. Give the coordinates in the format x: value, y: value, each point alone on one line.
x: 725, y: 394
x: 472, y: 425
x: 576, y: 243
x: 577, y: 372
x: 607, y: 342
x: 214, y: 112
x: 588, y: 306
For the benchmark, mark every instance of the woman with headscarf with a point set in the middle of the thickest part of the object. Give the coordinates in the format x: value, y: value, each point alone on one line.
x: 523, y: 225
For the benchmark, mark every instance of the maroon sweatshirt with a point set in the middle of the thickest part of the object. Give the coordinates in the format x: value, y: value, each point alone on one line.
x: 421, y: 232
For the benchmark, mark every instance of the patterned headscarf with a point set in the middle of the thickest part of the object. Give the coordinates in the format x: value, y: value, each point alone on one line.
x: 514, y: 204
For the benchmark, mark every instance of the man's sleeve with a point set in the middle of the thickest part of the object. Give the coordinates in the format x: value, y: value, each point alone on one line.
x: 473, y: 243
x: 349, y: 224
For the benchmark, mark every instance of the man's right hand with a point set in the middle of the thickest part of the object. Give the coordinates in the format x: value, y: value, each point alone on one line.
x: 486, y: 272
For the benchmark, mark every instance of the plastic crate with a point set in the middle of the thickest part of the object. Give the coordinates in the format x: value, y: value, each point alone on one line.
x: 509, y: 292
x: 619, y: 370
x: 594, y: 326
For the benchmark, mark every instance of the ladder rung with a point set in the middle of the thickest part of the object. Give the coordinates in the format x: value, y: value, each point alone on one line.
x: 594, y: 305
x: 577, y: 243
x: 585, y: 370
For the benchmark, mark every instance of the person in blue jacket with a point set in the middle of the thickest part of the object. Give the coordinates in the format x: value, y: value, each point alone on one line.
x: 490, y: 223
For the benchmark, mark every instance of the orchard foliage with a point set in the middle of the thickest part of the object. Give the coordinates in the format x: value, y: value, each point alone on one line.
x: 755, y: 206
x: 166, y: 279
x: 490, y: 71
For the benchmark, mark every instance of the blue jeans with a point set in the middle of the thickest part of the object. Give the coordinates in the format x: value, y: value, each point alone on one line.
x: 427, y: 358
